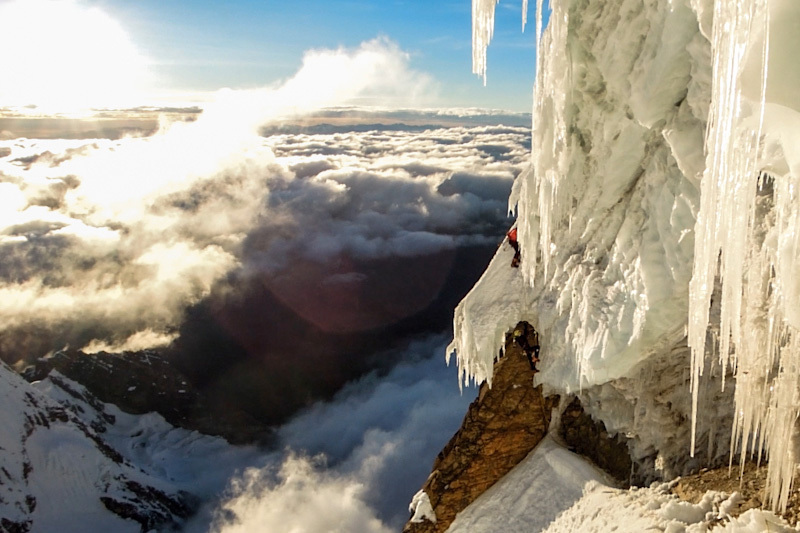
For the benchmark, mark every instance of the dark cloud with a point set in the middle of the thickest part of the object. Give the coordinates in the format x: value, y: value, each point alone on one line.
x: 50, y: 159
x: 316, y: 331
x: 52, y: 193
x: 307, y: 169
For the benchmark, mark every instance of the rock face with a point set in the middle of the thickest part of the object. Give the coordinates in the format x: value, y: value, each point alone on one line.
x: 750, y: 486
x: 589, y: 438
x: 501, y: 427
x: 142, y: 382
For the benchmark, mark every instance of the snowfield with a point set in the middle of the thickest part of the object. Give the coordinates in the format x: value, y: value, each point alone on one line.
x: 68, y: 460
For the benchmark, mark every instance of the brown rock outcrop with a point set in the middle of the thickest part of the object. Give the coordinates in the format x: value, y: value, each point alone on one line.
x: 501, y: 427
x: 585, y: 436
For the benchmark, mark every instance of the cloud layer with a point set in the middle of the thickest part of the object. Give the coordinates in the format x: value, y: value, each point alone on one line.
x: 108, y: 240
x: 354, y: 464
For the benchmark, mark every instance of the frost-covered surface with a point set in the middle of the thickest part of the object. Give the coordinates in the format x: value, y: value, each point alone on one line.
x: 748, y: 227
x: 556, y: 491
x: 483, y: 319
x: 64, y: 452
x: 607, y: 210
x: 651, y: 408
x: 661, y: 204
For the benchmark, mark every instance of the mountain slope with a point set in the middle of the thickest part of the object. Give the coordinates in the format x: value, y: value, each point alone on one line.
x: 58, y: 473
x: 70, y: 462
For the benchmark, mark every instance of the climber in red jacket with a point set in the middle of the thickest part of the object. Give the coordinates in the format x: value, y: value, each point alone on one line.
x: 512, y: 240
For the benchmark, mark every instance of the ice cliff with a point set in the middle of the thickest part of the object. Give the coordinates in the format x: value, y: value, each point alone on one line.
x: 659, y: 226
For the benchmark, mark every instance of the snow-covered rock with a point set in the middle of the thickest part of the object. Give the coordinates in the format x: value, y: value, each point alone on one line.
x: 500, y: 429
x: 72, y: 463
x: 145, y: 382
x: 59, y: 474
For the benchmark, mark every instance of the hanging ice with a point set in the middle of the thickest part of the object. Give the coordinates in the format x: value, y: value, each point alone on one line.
x: 749, y: 225
x: 482, y: 31
x: 606, y: 208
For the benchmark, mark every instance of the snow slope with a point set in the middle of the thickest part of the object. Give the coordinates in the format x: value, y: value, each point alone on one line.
x: 556, y: 491
x: 665, y: 137
x: 71, y: 463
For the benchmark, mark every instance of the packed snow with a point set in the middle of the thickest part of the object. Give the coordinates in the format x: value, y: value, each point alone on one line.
x: 421, y: 508
x: 660, y: 210
x: 556, y: 491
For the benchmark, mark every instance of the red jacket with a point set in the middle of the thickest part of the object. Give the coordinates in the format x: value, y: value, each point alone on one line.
x: 512, y: 235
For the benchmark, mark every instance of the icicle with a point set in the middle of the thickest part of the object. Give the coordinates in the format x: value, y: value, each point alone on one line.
x: 539, y: 6
x: 747, y: 235
x: 482, y: 32
x: 524, y: 14
x: 501, y: 297
x: 544, y: 208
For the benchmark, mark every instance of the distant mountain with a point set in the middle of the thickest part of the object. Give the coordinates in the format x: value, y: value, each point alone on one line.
x: 72, y: 463
x: 58, y: 471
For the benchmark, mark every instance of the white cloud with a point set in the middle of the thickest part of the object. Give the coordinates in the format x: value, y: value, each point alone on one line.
x: 65, y: 56
x: 377, y: 73
x: 103, y: 239
x: 305, y: 498
x: 373, y: 446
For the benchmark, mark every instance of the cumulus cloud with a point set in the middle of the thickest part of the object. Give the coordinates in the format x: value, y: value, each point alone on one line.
x: 353, y: 464
x: 106, y: 238
x: 305, y: 498
x: 67, y: 56
x: 105, y: 243
x: 377, y: 73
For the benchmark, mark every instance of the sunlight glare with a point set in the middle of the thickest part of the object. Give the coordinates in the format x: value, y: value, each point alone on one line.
x: 66, y: 57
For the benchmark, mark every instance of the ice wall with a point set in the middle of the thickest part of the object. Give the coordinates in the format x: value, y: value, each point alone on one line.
x: 607, y: 209
x: 634, y: 217
x: 748, y: 228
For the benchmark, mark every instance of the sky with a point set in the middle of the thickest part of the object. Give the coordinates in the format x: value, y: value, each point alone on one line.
x: 185, y: 49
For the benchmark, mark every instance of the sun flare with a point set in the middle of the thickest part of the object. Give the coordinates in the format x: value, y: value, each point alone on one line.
x: 66, y: 57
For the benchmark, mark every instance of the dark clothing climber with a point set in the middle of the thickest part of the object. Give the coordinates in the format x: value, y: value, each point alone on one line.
x: 512, y: 240
x: 528, y: 339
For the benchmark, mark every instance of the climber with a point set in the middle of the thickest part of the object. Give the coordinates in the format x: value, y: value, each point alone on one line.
x: 512, y: 240
x: 527, y: 338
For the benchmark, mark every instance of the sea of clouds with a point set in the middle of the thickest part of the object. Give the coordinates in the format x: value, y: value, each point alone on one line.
x: 349, y: 224
x: 104, y: 243
x: 352, y: 464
